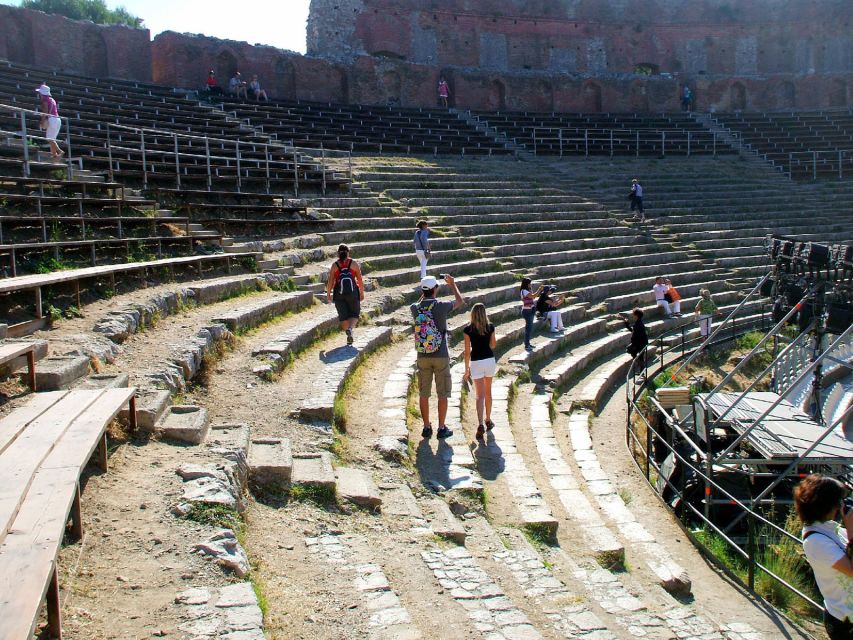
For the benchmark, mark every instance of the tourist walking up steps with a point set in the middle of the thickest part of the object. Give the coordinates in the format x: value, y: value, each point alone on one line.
x: 636, y: 198
x: 528, y: 309
x: 422, y: 246
x: 480, y: 364
x: 346, y: 288
x: 705, y: 309
x: 672, y: 297
x: 639, y: 338
x: 659, y: 289
x: 50, y: 121
x: 547, y: 305
x: 430, y: 323
x: 819, y: 501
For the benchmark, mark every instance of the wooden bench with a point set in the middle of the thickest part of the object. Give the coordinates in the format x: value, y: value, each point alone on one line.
x: 11, y: 350
x: 44, y: 447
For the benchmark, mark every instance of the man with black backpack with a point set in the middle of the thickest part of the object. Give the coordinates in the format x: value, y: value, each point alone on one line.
x: 430, y: 324
x: 346, y: 289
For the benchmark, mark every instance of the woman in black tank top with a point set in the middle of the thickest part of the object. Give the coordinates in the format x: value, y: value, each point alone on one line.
x: 480, y: 364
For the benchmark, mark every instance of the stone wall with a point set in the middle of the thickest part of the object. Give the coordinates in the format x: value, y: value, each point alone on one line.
x: 57, y: 43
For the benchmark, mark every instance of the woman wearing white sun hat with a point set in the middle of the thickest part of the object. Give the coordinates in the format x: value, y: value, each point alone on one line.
x: 50, y: 120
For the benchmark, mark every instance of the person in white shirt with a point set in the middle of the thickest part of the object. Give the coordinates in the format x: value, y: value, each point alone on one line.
x: 819, y: 500
x: 659, y: 290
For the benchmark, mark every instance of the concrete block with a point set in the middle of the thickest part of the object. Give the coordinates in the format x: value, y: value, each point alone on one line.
x: 186, y: 423
x: 444, y: 523
x: 105, y: 381
x: 313, y: 469
x: 58, y: 372
x: 270, y: 461
x: 230, y: 437
x: 150, y: 405
x: 356, y: 486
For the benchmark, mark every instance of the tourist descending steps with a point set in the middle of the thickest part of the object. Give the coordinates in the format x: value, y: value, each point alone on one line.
x: 430, y: 316
x: 639, y: 339
x: 660, y: 291
x: 422, y: 246
x: 443, y: 92
x: 547, y: 307
x: 705, y: 309
x: 480, y: 364
x: 528, y: 309
x: 636, y: 198
x: 346, y: 288
x: 672, y: 297
x: 50, y: 121
x: 819, y: 502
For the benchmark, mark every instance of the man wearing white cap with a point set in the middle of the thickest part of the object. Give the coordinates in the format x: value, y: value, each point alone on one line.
x: 50, y: 121
x: 430, y: 316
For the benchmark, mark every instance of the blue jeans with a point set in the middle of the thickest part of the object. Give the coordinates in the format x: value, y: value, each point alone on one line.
x: 528, y: 315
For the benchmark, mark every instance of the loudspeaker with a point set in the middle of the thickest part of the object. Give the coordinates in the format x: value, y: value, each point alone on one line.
x: 838, y: 318
x: 766, y: 289
x: 804, y: 317
x: 793, y: 293
x: 817, y: 255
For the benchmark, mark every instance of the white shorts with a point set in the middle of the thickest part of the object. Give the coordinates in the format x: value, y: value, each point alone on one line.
x: 483, y: 368
x: 53, y: 126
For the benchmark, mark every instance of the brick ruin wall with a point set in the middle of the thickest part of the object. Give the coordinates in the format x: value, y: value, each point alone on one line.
x: 54, y: 42
x: 536, y: 55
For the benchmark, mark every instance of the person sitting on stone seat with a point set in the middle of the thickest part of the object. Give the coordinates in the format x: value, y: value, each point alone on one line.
x: 256, y: 91
x: 213, y: 88
x: 236, y: 86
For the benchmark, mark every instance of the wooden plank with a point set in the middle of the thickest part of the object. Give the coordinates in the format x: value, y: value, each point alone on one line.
x: 15, y: 422
x: 76, y: 446
x: 24, y: 456
x: 11, y: 350
x: 28, y: 553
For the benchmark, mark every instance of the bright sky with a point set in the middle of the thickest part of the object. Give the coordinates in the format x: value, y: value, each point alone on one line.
x: 281, y: 24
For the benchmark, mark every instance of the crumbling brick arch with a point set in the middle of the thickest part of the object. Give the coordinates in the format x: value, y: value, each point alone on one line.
x: 737, y: 97
x: 226, y: 65
x: 591, y: 97
x: 786, y: 95
x: 838, y: 93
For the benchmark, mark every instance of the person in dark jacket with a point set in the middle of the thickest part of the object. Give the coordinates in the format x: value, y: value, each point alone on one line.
x: 639, y: 337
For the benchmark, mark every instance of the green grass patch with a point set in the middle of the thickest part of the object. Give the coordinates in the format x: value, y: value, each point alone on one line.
x: 319, y: 495
x: 539, y: 535
x: 626, y: 495
x: 215, y: 515
x: 258, y: 588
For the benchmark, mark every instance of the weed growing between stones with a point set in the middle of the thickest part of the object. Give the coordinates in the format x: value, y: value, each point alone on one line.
x: 319, y: 495
x: 539, y: 535
x: 217, y: 351
x: 216, y: 515
x: 625, y: 495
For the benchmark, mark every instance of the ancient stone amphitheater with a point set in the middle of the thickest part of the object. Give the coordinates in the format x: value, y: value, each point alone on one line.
x: 231, y: 469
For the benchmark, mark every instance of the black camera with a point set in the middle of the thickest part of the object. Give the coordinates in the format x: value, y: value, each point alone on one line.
x: 846, y: 505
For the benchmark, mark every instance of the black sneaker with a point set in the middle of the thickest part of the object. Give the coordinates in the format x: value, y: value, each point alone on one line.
x: 349, y: 336
x: 489, y: 425
x: 427, y: 431
x: 481, y: 431
x: 443, y: 433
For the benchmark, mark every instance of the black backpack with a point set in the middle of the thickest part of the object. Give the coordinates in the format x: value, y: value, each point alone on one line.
x: 542, y: 306
x: 346, y: 279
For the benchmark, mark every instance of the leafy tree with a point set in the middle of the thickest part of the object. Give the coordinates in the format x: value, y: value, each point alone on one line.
x: 94, y: 10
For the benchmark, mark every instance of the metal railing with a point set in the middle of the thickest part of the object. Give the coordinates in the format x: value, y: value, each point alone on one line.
x: 647, y: 445
x: 586, y: 141
x: 147, y: 144
x: 836, y: 163
x: 26, y: 138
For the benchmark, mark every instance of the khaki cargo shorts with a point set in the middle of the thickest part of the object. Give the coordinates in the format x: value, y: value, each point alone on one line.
x: 440, y: 369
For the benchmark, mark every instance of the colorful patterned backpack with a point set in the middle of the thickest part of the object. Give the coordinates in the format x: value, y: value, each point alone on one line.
x: 428, y: 338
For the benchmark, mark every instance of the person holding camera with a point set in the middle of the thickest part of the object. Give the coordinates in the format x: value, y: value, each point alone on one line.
x: 547, y: 307
x: 422, y: 246
x: 528, y: 309
x: 639, y: 338
x: 819, y: 500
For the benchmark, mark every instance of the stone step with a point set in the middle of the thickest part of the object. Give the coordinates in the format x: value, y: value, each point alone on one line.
x: 630, y: 293
x: 313, y: 470
x: 151, y: 404
x: 560, y: 372
x: 443, y: 523
x: 547, y: 345
x: 499, y: 444
x: 357, y: 486
x: 186, y: 423
x: 60, y: 372
x: 270, y: 462
x: 267, y: 265
x: 337, y: 365
x: 628, y: 245
x: 253, y: 314
x: 596, y: 535
x: 105, y: 381
x: 670, y: 575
